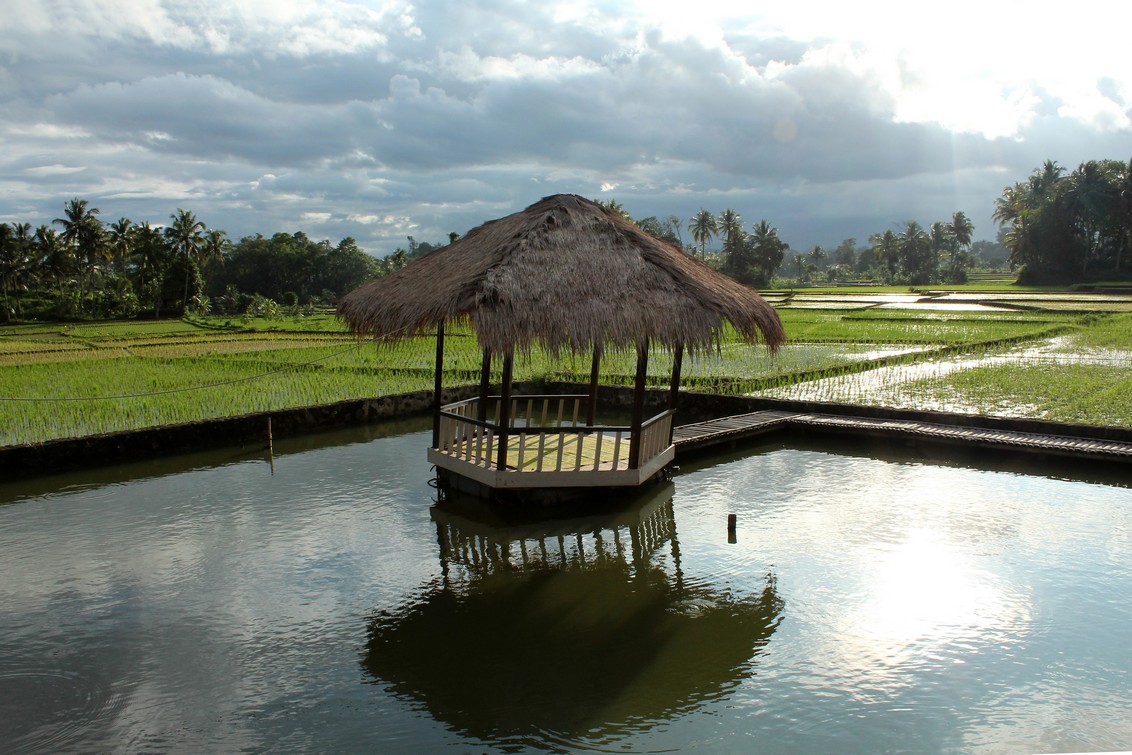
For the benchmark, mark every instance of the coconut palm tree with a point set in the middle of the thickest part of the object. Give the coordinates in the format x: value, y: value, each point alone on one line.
x: 83, y: 232
x: 1091, y: 196
x: 886, y: 249
x: 152, y: 256
x: 730, y: 227
x: 917, y: 256
x: 962, y: 229
x: 769, y: 251
x: 121, y: 237
x: 186, y: 236
x: 1124, y: 212
x: 704, y: 228
x: 17, y: 265
x: 8, y: 265
x: 54, y: 257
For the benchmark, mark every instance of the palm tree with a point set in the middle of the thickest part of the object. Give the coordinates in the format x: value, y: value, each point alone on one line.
x: 1042, y: 182
x: 730, y: 227
x: 916, y: 254
x: 83, y: 232
x: 186, y: 235
x: 152, y: 256
x: 886, y: 248
x: 121, y: 241
x: 769, y: 251
x: 1014, y: 208
x: 8, y: 265
x: 17, y: 264
x: 55, y: 260
x: 214, y: 246
x: 1124, y: 212
x: 1091, y: 197
x: 962, y: 229
x: 704, y: 227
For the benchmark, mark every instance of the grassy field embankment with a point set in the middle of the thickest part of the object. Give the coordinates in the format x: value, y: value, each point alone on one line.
x: 1057, y: 356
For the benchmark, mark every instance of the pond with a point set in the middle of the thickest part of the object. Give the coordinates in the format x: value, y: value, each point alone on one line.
x: 219, y: 602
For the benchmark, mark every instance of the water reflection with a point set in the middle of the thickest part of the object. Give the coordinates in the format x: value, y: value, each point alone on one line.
x: 578, y: 631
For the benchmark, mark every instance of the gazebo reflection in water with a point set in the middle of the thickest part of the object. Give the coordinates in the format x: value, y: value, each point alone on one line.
x: 629, y: 539
x: 566, y: 633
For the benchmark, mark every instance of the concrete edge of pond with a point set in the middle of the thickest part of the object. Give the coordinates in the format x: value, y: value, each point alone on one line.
x: 54, y: 456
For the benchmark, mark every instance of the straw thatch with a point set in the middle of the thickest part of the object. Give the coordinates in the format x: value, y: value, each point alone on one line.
x: 568, y: 274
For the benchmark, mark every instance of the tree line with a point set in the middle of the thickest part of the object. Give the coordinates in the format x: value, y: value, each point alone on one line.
x: 1062, y: 227
x: 79, y: 267
x: 1055, y: 227
x: 941, y: 253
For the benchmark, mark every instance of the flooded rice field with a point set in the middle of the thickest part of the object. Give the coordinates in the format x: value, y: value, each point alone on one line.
x: 956, y: 301
x: 219, y: 602
x: 917, y: 385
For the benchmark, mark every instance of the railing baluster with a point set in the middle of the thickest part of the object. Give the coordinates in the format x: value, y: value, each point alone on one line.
x: 464, y: 436
x: 446, y: 434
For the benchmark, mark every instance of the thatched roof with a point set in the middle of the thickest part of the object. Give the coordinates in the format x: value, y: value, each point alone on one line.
x: 565, y: 273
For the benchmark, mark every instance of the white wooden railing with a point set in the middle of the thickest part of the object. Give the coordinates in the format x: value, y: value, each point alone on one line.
x: 546, y: 434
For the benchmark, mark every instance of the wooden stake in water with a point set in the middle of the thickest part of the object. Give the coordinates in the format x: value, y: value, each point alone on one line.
x: 268, y: 444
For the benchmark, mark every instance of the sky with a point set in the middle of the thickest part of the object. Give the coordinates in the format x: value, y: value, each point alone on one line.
x: 383, y: 120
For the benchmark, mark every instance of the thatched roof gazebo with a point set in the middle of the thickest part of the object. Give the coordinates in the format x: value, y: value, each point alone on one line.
x: 570, y: 276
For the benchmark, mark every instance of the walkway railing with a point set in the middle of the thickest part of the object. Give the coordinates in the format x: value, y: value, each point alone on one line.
x: 546, y: 434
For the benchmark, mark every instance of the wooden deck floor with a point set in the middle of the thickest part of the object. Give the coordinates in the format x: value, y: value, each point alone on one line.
x: 739, y: 427
x: 564, y: 452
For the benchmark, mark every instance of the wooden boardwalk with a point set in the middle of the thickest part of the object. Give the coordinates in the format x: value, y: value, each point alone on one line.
x: 726, y: 430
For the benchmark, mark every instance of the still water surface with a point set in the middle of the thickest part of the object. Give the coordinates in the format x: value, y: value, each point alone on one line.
x: 211, y: 603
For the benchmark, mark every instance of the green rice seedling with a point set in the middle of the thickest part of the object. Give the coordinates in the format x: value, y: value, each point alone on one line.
x: 1089, y: 394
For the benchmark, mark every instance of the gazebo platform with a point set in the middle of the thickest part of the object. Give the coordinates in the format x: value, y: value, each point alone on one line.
x: 548, y: 444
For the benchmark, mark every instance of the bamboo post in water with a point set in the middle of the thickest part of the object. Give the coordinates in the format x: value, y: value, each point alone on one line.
x: 438, y: 385
x: 638, y: 403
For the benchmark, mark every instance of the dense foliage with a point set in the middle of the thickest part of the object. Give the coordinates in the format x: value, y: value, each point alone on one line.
x: 291, y: 270
x: 942, y: 253
x: 1066, y: 227
x: 78, y: 267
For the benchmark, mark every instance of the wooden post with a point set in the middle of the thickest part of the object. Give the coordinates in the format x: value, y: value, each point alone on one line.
x: 594, y: 368
x: 504, y: 409
x: 674, y: 389
x: 485, y: 384
x: 638, y: 403
x: 438, y: 385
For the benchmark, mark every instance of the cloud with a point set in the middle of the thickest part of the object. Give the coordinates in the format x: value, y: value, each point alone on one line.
x: 367, y: 119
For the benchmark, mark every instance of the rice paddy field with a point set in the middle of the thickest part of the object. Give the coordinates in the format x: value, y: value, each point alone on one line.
x: 1047, y: 355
